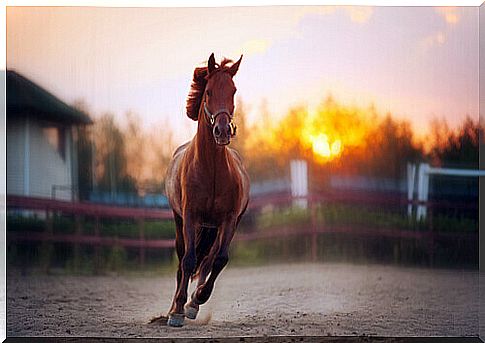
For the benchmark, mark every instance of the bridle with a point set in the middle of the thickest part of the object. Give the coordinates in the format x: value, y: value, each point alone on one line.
x: 211, y: 118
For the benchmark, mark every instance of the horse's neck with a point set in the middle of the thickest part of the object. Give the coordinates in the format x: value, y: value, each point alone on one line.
x: 207, y: 152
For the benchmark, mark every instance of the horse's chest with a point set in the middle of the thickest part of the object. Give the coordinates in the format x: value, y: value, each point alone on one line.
x: 213, y: 200
x: 218, y: 199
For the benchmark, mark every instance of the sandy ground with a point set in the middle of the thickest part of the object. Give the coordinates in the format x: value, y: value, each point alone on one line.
x: 299, y: 299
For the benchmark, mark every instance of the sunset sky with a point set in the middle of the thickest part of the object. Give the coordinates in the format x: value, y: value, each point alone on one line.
x: 416, y: 62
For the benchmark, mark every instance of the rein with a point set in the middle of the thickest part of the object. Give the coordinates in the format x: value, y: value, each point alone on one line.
x: 211, y: 118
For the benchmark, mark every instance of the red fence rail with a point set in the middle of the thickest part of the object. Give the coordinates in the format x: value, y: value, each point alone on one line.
x: 97, y: 211
x: 85, y: 208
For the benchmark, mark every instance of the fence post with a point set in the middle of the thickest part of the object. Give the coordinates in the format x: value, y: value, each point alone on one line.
x: 77, y: 247
x: 314, y: 248
x: 141, y: 231
x: 97, y: 248
x: 46, y: 246
x: 299, y: 182
x: 423, y: 187
x: 411, y: 177
x: 431, y: 239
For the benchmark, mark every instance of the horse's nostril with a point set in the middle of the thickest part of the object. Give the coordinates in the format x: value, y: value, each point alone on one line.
x: 217, y: 132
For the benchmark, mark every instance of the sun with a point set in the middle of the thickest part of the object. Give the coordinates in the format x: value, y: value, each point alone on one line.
x: 324, y: 148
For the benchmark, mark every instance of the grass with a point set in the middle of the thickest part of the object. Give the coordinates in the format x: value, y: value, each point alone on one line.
x: 348, y: 215
x: 110, y: 228
x: 117, y: 259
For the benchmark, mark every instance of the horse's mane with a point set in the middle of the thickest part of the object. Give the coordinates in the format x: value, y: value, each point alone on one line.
x: 197, y: 87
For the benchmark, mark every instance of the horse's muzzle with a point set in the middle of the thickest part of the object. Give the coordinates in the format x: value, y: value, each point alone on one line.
x: 223, y: 141
x: 222, y: 133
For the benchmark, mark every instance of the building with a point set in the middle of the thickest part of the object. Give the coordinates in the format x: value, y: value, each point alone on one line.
x: 41, y: 145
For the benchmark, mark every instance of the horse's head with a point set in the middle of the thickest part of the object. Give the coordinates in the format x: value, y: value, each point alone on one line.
x: 213, y: 93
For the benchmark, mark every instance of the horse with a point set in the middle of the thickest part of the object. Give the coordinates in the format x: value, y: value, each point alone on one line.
x: 207, y: 187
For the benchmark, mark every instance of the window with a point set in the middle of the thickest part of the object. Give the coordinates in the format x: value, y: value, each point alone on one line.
x: 56, y: 138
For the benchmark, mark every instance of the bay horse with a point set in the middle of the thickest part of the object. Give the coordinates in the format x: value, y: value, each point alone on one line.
x: 207, y: 187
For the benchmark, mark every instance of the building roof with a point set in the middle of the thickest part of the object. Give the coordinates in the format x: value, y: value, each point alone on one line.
x: 26, y: 97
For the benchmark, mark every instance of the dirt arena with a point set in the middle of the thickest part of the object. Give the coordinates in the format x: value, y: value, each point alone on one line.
x: 296, y: 299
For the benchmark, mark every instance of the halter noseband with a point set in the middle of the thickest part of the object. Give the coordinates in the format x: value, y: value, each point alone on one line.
x: 211, y: 118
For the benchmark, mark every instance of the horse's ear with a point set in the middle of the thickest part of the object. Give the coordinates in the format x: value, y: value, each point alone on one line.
x: 211, y: 64
x: 234, y: 68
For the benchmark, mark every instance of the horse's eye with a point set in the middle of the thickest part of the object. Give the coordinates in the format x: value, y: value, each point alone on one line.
x: 208, y: 92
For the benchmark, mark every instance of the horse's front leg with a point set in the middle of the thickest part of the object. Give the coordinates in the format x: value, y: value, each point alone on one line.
x: 220, y: 259
x: 187, y: 265
x: 192, y: 308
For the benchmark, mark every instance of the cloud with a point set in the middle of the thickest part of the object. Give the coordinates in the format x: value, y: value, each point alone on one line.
x: 292, y: 16
x: 436, y: 39
x: 253, y: 47
x: 359, y: 14
x: 450, y: 14
x: 298, y: 13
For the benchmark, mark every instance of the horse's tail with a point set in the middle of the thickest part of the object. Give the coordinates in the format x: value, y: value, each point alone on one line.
x: 204, y: 239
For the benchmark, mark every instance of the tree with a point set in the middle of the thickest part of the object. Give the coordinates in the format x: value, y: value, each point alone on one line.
x: 85, y: 154
x: 85, y: 150
x: 162, y: 147
x: 456, y: 149
x: 261, y: 155
x: 111, y: 161
x: 390, y: 146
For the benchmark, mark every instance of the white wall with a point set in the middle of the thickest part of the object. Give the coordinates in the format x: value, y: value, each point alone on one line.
x: 46, y: 167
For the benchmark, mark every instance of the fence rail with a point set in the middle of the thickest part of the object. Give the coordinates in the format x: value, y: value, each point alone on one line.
x: 97, y: 211
x: 424, y: 171
x: 84, y: 208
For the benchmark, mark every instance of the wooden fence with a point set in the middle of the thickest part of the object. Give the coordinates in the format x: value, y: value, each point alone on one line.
x: 140, y: 215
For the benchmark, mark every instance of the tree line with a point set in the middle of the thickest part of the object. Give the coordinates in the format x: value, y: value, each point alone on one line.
x: 126, y: 158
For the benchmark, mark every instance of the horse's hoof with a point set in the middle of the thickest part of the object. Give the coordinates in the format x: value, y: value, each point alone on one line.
x: 175, y: 320
x: 191, y: 312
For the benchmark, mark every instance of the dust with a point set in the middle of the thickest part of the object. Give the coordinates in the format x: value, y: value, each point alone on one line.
x: 161, y: 319
x: 203, y: 319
